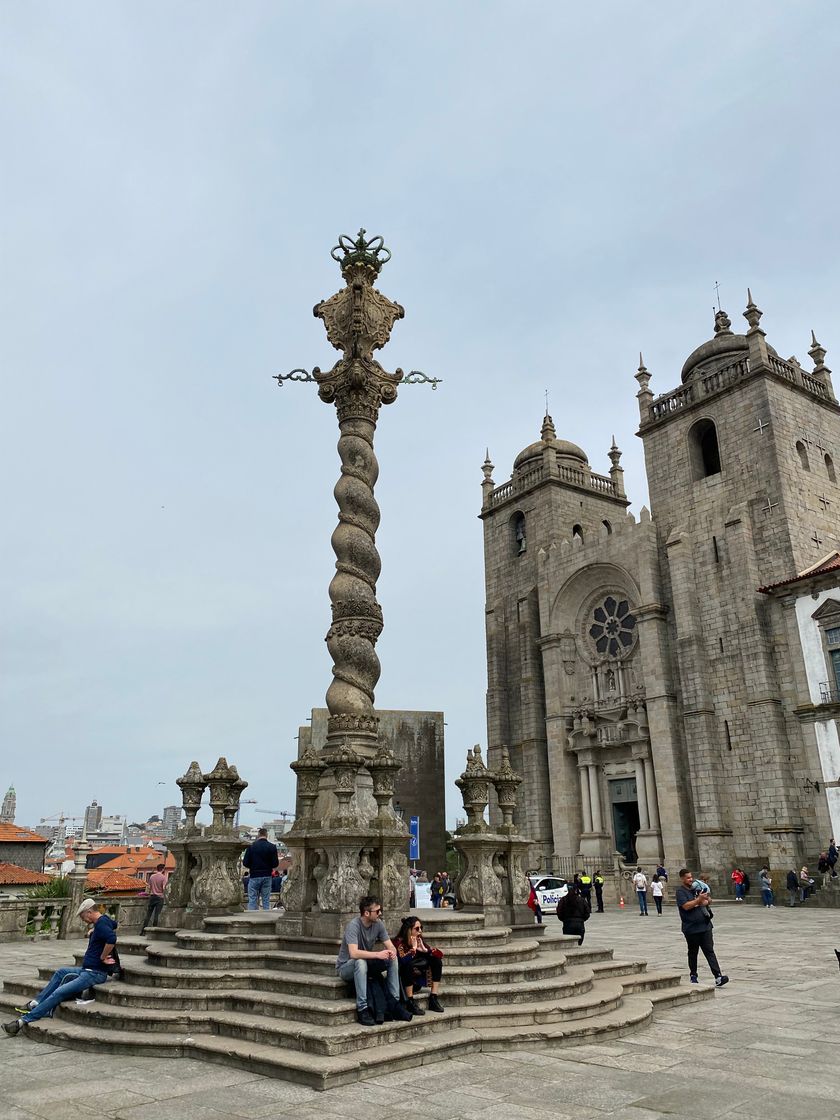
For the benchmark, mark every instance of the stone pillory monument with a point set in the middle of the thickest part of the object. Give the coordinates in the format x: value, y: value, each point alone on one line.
x: 259, y: 990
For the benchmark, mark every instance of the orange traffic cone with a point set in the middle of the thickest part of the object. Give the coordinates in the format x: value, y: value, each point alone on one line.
x: 621, y: 903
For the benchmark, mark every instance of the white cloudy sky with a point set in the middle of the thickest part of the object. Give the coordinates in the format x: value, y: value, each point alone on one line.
x: 561, y: 185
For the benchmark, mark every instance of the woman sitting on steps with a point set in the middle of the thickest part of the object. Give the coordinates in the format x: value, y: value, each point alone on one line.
x: 418, y: 964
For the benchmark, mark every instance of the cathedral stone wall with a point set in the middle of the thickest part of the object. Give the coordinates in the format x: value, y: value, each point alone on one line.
x: 691, y: 735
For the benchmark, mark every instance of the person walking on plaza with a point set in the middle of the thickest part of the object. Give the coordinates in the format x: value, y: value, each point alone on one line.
x: 657, y: 890
x: 437, y: 890
x: 806, y: 883
x: 792, y: 884
x: 598, y: 883
x: 156, y: 886
x: 640, y: 885
x: 824, y: 868
x: 97, y: 965
x: 574, y: 910
x: 832, y: 857
x: 358, y: 957
x: 260, y: 858
x: 766, y: 881
x: 696, y: 920
x: 737, y: 878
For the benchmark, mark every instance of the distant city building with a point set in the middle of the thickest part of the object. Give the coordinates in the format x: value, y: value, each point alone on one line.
x: 7, y: 811
x: 93, y: 817
x: 22, y: 847
x: 171, y: 819
x: 416, y: 738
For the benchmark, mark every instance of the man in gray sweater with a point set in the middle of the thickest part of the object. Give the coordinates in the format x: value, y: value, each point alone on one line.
x: 358, y: 956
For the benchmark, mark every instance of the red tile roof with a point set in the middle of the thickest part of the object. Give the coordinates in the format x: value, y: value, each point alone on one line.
x: 99, y: 879
x: 11, y: 874
x: 14, y: 834
x: 145, y: 860
x: 830, y: 563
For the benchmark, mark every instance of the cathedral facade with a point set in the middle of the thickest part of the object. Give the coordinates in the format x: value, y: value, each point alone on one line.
x: 658, y: 682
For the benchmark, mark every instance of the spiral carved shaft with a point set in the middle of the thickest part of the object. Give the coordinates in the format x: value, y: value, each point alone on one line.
x: 357, y: 617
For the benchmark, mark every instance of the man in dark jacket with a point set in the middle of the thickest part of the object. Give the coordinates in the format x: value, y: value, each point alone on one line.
x: 260, y: 858
x: 573, y: 910
x: 696, y: 919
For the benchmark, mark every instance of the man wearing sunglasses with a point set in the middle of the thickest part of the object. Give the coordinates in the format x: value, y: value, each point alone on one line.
x: 358, y: 956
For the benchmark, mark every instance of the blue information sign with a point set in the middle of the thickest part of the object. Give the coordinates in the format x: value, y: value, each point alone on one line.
x: 414, y: 838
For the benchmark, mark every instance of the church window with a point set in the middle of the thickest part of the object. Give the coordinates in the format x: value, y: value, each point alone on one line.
x: 613, y: 627
x: 829, y: 468
x: 520, y: 541
x: 704, y: 450
x: 728, y: 736
x: 577, y: 531
x: 715, y: 547
x: 803, y: 455
x: 608, y: 527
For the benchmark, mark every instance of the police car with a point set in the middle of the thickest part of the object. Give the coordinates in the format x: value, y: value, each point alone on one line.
x: 549, y: 890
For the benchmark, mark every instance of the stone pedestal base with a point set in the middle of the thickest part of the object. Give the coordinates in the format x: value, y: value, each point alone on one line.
x: 492, y: 877
x: 648, y: 847
x: 598, y: 846
x: 206, y: 881
x: 332, y: 868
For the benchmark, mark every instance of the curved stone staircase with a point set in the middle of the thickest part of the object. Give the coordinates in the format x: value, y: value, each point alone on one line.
x: 237, y: 993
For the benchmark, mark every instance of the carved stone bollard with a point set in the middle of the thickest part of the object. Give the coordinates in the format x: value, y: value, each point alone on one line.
x: 492, y: 877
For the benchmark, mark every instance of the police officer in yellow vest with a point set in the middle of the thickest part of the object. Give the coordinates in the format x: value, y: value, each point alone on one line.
x: 599, y: 891
x: 585, y: 880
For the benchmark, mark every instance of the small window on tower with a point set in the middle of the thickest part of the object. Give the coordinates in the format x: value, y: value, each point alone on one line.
x: 608, y: 527
x: 803, y: 455
x: 703, y: 449
x: 577, y: 531
x: 520, y: 541
x: 829, y: 468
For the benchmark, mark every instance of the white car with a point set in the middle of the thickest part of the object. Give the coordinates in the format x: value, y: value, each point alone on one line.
x: 549, y: 890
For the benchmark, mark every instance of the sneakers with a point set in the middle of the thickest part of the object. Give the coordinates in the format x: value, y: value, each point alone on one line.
x: 85, y: 1002
x: 693, y: 978
x: 414, y: 1007
x: 721, y: 980
x: 364, y: 1016
x: 14, y: 1027
x: 435, y: 1004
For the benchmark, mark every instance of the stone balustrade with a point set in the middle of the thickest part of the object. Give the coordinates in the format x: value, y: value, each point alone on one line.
x: 572, y: 476
x: 37, y: 919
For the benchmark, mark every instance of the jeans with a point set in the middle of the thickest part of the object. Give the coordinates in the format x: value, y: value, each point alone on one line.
x: 767, y: 896
x: 259, y: 887
x: 642, y: 901
x: 739, y: 890
x: 65, y: 983
x: 356, y: 971
x: 152, y: 910
x: 706, y: 942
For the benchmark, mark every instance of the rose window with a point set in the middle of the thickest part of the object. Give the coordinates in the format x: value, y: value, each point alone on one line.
x: 613, y: 628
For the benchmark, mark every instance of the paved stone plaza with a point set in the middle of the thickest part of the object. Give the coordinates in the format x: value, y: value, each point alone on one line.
x: 764, y: 1047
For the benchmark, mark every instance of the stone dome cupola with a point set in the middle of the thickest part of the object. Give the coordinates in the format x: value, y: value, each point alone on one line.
x: 724, y: 347
x: 567, y: 452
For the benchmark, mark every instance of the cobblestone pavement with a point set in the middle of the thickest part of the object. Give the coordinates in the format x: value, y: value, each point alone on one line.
x: 765, y: 1047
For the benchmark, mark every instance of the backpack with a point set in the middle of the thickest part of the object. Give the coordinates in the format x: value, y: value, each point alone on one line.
x: 746, y: 883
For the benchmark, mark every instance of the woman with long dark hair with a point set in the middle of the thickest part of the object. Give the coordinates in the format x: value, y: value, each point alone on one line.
x: 573, y: 910
x: 419, y: 964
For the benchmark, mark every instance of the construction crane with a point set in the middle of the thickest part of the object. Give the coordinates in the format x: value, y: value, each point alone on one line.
x: 61, y: 817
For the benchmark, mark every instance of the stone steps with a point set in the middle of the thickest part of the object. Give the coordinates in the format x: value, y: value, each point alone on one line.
x: 328, y: 1071
x: 239, y: 993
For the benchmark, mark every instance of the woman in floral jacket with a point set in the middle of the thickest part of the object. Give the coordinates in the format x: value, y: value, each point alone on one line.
x: 419, y: 964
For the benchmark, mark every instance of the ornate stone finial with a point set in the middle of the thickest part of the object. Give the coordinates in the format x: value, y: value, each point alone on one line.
x: 723, y: 324
x: 308, y: 769
x: 361, y: 253
x: 345, y: 764
x: 474, y: 785
x: 818, y: 354
x: 383, y: 768
x: 506, y: 781
x: 642, y: 375
x: 219, y: 780
x: 752, y: 313
x: 192, y: 787
x: 547, y: 431
x: 487, y: 467
x: 234, y: 791
x: 614, y: 454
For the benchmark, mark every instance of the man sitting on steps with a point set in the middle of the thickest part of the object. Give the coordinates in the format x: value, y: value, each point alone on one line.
x: 357, y: 957
x: 99, y: 963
